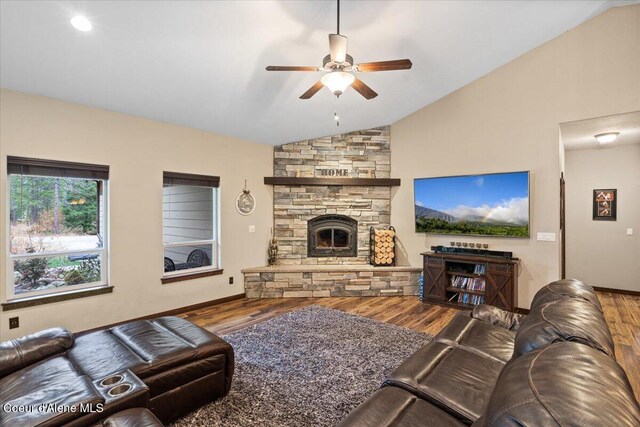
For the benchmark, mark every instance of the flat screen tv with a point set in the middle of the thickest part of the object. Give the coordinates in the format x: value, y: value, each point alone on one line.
x: 494, y: 204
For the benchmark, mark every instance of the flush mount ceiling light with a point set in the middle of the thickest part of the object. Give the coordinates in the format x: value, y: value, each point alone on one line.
x: 81, y: 23
x: 340, y: 68
x: 606, y: 138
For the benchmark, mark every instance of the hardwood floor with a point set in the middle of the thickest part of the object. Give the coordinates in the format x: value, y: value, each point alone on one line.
x: 621, y: 311
x: 623, y: 317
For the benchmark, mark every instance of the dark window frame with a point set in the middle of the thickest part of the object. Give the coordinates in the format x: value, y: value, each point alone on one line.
x: 177, y: 178
x: 55, y: 168
x: 17, y: 165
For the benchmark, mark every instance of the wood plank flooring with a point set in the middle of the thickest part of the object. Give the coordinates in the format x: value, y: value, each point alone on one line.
x: 623, y: 317
x: 621, y: 311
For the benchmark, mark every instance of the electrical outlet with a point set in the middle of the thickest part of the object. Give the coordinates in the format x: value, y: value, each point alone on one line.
x: 252, y: 229
x: 14, y: 322
x: 231, y: 280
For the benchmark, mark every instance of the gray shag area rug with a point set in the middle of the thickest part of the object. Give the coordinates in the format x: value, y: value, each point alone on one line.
x: 309, y: 367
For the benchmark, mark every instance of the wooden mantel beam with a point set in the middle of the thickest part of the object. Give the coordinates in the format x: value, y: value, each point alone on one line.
x: 364, y: 182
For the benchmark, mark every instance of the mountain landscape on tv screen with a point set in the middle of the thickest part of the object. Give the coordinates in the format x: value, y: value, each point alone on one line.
x: 491, y: 205
x: 436, y: 222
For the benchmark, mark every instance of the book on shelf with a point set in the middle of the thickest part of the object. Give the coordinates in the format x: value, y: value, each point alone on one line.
x: 470, y: 283
x: 480, y: 269
x: 470, y: 299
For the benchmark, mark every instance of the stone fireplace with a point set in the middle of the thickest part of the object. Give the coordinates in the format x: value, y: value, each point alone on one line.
x: 322, y: 226
x: 332, y: 236
x: 361, y: 154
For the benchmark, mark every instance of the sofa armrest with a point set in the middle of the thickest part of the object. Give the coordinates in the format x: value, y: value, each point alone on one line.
x: 21, y: 352
x: 497, y: 316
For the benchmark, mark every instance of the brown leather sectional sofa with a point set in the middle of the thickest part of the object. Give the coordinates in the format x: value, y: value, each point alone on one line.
x: 553, y: 367
x: 168, y: 365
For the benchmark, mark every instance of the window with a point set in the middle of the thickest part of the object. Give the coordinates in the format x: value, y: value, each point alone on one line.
x: 190, y: 225
x: 57, y: 226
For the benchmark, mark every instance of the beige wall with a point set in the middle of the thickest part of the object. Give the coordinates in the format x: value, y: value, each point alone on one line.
x: 508, y: 121
x: 137, y: 151
x: 599, y: 252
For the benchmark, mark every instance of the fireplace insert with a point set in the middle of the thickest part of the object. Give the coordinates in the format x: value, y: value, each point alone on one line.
x: 332, y: 236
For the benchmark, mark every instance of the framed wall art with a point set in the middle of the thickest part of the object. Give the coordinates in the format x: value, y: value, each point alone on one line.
x: 605, y: 204
x: 245, y: 202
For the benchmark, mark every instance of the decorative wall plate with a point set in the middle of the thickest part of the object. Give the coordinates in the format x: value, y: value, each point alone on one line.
x: 245, y: 203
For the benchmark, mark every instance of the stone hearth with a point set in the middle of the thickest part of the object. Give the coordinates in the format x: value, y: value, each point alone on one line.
x: 301, y: 272
x: 330, y: 281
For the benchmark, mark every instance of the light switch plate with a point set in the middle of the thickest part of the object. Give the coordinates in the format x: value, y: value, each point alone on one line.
x: 629, y: 231
x: 547, y: 237
x: 252, y: 229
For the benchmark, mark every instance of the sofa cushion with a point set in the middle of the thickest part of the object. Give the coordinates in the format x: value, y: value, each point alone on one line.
x: 497, y: 316
x: 135, y: 417
x: 570, y: 319
x: 566, y: 384
x: 146, y: 347
x: 52, y: 382
x: 99, y: 354
x: 478, y: 336
x: 395, y: 407
x: 21, y: 352
x: 457, y: 380
x: 564, y: 289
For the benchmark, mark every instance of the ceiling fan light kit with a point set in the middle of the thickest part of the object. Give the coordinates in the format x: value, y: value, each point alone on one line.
x: 340, y: 68
x: 337, y: 81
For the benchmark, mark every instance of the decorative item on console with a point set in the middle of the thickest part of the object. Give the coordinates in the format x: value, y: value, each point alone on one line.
x: 471, y: 245
x: 382, y: 244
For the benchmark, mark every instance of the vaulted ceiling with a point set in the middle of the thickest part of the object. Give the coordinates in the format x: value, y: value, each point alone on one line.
x: 202, y: 64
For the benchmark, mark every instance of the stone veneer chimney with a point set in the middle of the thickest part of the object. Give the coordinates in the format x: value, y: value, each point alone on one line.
x: 359, y: 154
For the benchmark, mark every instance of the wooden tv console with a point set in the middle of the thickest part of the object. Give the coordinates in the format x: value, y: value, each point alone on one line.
x: 465, y: 280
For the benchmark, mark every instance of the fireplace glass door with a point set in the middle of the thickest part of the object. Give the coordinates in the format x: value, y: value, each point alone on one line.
x: 333, y: 238
x: 332, y: 235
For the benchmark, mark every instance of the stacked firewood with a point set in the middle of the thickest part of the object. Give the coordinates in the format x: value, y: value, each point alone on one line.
x: 384, y: 247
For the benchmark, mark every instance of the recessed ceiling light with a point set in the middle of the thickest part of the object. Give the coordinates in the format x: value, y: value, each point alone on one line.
x: 81, y: 23
x: 605, y: 138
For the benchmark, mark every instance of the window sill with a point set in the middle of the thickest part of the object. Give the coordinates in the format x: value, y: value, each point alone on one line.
x: 18, y: 303
x: 190, y: 276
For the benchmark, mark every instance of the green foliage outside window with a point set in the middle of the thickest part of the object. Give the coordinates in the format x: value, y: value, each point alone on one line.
x: 54, y: 205
x: 32, y: 269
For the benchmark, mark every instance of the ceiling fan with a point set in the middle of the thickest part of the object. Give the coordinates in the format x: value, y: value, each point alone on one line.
x: 340, y: 68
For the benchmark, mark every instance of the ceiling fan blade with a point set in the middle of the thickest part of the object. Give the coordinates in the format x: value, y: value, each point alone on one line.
x: 290, y: 68
x: 338, y: 47
x: 363, y: 89
x: 312, y: 91
x: 398, y: 64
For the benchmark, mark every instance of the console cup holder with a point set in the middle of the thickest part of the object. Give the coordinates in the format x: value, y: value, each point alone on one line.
x: 120, y: 389
x: 112, y: 380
